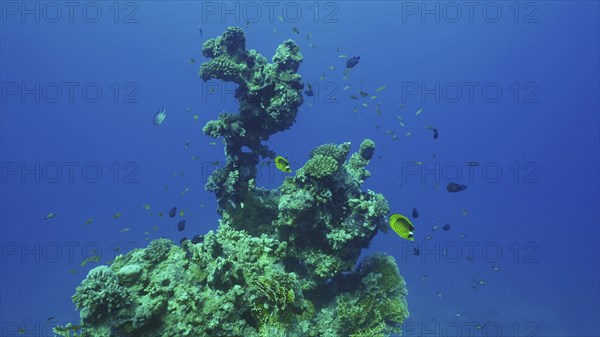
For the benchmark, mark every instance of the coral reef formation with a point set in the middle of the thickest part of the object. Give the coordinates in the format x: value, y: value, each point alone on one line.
x: 269, y: 95
x: 283, y: 262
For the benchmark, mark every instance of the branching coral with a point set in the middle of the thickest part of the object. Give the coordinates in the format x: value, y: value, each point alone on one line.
x: 320, y: 166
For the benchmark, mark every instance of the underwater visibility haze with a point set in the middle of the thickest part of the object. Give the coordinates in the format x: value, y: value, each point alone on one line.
x: 334, y: 169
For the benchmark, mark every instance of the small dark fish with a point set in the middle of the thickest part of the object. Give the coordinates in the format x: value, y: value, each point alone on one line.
x: 183, y: 239
x: 435, y: 133
x: 308, y: 92
x: 363, y: 94
x: 181, y: 225
x: 454, y: 187
x: 446, y: 227
x: 353, y: 61
x: 172, y: 212
x: 200, y: 29
x: 415, y: 214
x: 416, y: 251
x: 197, y: 239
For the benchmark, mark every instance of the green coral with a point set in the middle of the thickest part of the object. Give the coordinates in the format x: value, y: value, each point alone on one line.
x: 276, y: 296
x: 69, y: 330
x: 287, y: 57
x: 293, y: 205
x: 367, y: 147
x: 232, y: 179
x: 324, y: 265
x: 376, y: 306
x: 269, y: 95
x: 226, y: 124
x: 228, y: 52
x: 231, y: 43
x: 100, y: 295
x: 358, y: 161
x: 225, y: 69
x: 282, y: 262
x: 320, y: 166
x: 337, y: 152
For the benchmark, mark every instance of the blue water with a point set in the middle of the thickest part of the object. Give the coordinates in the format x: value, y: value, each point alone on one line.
x: 523, y: 261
